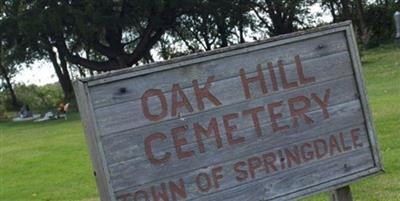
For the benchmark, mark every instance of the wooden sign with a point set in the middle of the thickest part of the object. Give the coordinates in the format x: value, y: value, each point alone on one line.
x: 277, y: 119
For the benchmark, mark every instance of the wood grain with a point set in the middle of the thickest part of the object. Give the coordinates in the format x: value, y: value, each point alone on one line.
x: 119, y: 117
x: 127, y: 174
x: 222, y: 68
x: 116, y: 129
x: 99, y: 169
x: 123, y: 146
x: 276, y: 185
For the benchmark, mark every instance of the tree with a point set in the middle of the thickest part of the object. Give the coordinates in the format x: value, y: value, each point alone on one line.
x: 339, y: 9
x: 213, y: 24
x: 116, y: 33
x: 197, y: 31
x: 363, y: 30
x: 60, y: 67
x: 346, y: 9
x: 332, y: 6
x: 380, y: 29
x: 282, y: 16
x: 122, y: 32
x: 26, y: 43
x: 373, y: 20
x: 8, y: 70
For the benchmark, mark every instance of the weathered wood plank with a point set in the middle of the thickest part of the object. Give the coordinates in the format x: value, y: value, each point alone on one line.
x: 222, y: 68
x: 356, y: 61
x: 274, y: 183
x: 85, y: 110
x: 127, y: 174
x: 117, y: 118
x: 122, y: 146
x: 301, y: 179
x: 348, y: 112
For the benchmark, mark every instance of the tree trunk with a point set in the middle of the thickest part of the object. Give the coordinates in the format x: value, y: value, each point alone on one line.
x: 221, y: 27
x: 332, y: 9
x: 361, y: 23
x: 67, y: 84
x: 346, y: 9
x: 62, y: 74
x: 282, y: 17
x: 241, y: 33
x: 10, y: 88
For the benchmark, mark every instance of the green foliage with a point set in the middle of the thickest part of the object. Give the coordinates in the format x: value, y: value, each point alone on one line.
x: 380, y: 22
x: 284, y: 16
x: 377, y: 18
x: 39, y: 98
x: 212, y: 24
x: 117, y: 34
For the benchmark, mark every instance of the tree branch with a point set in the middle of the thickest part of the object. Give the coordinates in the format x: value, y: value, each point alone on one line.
x: 261, y: 18
x: 191, y: 48
x: 76, y: 59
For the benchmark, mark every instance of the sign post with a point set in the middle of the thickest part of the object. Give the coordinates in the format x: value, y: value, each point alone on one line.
x: 342, y: 194
x: 279, y: 119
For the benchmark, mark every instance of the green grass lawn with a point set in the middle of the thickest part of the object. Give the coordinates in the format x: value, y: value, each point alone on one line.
x: 45, y: 161
x: 49, y: 161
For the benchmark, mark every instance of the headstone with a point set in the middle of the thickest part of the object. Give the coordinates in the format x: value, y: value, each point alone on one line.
x: 397, y: 23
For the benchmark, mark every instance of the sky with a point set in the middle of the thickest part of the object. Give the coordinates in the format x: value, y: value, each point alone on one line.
x: 42, y: 72
x: 39, y: 73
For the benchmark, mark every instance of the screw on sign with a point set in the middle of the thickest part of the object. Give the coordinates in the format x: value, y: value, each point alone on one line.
x: 397, y: 23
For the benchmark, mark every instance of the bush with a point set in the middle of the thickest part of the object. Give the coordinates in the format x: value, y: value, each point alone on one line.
x: 39, y: 98
x: 380, y: 23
